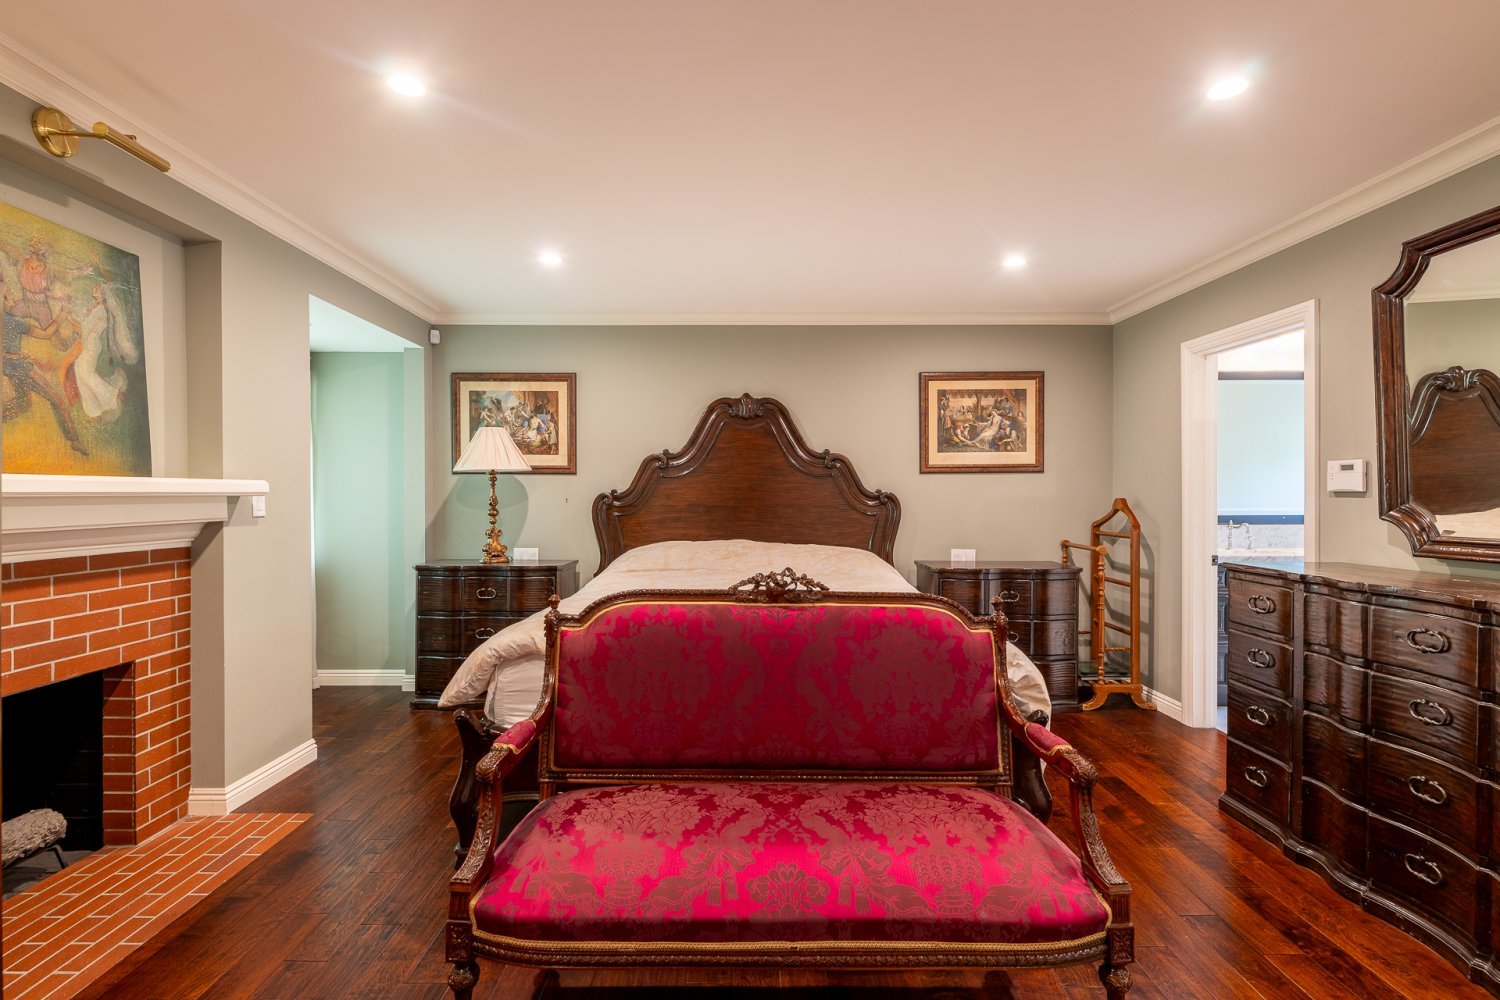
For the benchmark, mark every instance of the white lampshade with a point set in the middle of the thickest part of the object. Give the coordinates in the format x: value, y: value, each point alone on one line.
x: 491, y: 449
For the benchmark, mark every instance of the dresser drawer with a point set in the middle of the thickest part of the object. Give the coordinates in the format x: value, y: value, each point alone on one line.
x: 1260, y: 662
x: 1443, y: 647
x: 1425, y: 874
x: 440, y: 634
x: 1335, y: 625
x: 1334, y: 755
x: 484, y: 592
x: 1258, y: 605
x: 967, y: 591
x: 1335, y: 826
x: 1259, y: 720
x: 1336, y: 689
x: 1425, y: 793
x: 434, y: 672
x: 478, y: 628
x: 1016, y: 597
x: 532, y: 591
x: 1054, y: 638
x: 1257, y: 782
x: 437, y: 591
x: 1425, y: 716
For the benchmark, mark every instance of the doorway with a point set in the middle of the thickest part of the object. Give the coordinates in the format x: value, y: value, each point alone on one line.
x: 368, y: 459
x: 1249, y: 474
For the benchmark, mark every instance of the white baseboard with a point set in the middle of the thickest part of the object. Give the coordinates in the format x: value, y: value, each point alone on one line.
x: 362, y: 678
x: 408, y: 683
x: 219, y: 801
x: 1170, y: 707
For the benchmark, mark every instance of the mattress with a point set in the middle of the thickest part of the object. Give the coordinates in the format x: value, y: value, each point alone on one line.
x: 507, y: 669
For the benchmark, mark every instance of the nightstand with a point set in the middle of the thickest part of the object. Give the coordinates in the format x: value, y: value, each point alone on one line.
x: 462, y: 603
x: 1040, y: 603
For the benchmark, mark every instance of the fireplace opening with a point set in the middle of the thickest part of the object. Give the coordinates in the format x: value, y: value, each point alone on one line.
x: 52, y: 756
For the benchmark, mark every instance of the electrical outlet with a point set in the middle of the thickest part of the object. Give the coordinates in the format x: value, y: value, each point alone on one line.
x: 525, y: 555
x: 961, y: 557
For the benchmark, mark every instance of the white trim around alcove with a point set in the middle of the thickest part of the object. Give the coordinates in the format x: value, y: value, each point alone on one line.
x: 220, y: 801
x: 1200, y: 451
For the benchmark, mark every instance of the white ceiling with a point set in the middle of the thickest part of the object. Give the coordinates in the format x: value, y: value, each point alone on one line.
x: 774, y: 159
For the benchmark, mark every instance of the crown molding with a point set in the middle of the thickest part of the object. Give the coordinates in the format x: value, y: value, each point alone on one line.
x: 614, y: 318
x: 46, y: 84
x: 1458, y: 154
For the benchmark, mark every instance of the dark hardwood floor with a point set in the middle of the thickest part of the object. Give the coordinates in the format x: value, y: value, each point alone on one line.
x: 352, y: 904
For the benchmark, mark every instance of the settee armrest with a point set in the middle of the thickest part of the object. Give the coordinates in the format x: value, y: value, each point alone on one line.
x: 1081, y: 774
x: 489, y: 776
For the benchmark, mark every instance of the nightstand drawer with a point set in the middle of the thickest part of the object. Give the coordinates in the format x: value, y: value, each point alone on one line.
x: 1016, y: 598
x: 485, y: 593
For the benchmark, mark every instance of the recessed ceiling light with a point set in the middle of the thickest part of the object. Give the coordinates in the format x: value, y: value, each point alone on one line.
x: 550, y: 258
x: 1013, y: 261
x: 1229, y: 86
x: 406, y: 84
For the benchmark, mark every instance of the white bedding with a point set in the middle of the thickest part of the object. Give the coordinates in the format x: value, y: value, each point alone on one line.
x: 508, y: 667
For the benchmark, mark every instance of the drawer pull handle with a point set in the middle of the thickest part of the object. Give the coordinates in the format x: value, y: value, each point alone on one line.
x: 1424, y: 869
x: 1009, y: 597
x: 1260, y: 658
x: 1257, y: 777
x: 1434, y: 642
x: 1258, y: 715
x: 1261, y: 604
x: 483, y: 633
x: 1419, y: 783
x: 1429, y: 712
x: 486, y: 594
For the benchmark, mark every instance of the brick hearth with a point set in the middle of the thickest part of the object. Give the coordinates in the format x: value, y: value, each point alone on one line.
x: 126, y: 614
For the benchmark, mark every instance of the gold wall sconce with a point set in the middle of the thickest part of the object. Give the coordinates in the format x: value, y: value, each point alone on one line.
x: 58, y: 135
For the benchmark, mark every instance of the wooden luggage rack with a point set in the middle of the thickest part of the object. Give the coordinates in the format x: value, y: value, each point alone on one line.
x: 1106, y: 682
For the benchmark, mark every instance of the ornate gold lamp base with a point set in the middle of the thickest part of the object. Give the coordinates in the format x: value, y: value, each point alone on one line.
x: 494, y: 551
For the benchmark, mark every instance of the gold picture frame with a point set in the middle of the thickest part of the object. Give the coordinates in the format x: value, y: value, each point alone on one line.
x: 981, y: 421
x: 539, y: 410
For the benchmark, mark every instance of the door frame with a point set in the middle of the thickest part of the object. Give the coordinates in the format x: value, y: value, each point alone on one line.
x: 1200, y: 508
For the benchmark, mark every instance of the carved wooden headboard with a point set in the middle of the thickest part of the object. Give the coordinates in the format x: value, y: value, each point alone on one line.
x: 746, y: 473
x: 1455, y: 436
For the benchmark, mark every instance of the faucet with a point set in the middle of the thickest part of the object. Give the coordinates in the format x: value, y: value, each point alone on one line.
x: 1230, y: 525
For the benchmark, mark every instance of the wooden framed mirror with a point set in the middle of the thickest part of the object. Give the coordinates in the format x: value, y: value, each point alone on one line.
x: 1437, y: 390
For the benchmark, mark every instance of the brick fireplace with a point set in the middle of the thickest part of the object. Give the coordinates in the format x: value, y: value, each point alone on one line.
x: 125, y: 614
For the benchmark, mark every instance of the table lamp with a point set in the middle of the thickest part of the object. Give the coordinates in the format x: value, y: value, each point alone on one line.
x: 492, y: 450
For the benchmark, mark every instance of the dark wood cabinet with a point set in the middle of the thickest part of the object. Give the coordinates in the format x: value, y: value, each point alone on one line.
x: 460, y: 604
x: 1040, y: 602
x: 1363, y: 738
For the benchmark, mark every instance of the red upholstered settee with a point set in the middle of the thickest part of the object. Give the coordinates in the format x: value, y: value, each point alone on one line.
x: 782, y: 776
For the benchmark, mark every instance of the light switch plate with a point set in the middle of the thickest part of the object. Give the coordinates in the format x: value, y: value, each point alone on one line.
x: 961, y: 557
x: 258, y: 506
x: 525, y: 555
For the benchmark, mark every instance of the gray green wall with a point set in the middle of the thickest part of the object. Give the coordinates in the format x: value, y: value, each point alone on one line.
x: 235, y: 404
x: 851, y: 389
x: 1338, y: 268
x: 1442, y: 334
x: 362, y: 518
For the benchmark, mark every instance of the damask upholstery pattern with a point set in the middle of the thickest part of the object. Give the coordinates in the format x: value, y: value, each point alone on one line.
x: 723, y: 685
x: 767, y: 862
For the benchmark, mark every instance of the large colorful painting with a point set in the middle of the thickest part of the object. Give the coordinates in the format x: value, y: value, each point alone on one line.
x: 537, y: 410
x: 75, y: 366
x: 981, y: 421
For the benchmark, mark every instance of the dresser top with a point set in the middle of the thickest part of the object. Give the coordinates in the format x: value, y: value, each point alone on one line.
x: 1014, y: 565
x: 513, y: 564
x: 1469, y: 591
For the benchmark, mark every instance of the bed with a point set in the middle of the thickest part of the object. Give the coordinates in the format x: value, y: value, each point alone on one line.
x: 745, y: 495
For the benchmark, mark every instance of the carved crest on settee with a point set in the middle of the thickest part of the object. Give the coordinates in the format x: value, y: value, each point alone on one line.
x: 778, y: 587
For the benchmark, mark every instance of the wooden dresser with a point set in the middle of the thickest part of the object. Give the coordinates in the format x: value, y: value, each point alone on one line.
x: 462, y: 603
x: 1363, y: 737
x: 1040, y: 601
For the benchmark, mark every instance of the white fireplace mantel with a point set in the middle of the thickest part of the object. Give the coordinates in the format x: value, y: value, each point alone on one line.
x: 46, y: 517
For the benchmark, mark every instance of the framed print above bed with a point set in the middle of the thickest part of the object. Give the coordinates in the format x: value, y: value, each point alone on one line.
x: 981, y: 421
x: 539, y: 411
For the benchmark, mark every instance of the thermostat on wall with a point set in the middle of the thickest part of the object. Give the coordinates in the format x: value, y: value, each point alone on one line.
x: 1346, y: 475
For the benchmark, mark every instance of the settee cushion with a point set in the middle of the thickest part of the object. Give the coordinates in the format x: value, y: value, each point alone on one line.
x: 785, y: 862
x: 715, y: 684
